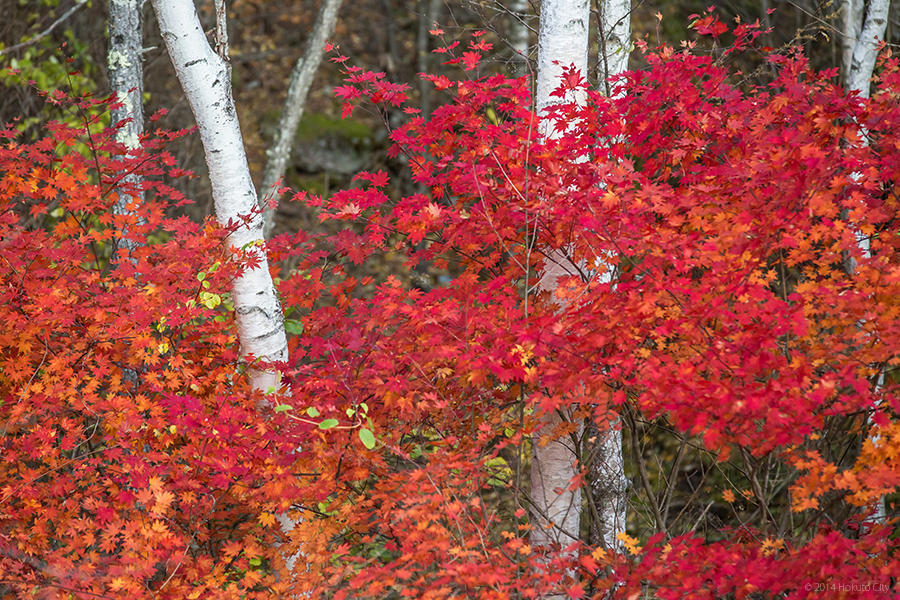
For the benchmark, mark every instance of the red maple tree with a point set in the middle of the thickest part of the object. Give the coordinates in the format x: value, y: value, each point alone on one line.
x: 722, y: 288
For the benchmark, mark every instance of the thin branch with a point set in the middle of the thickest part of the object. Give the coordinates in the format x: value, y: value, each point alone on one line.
x: 46, y: 32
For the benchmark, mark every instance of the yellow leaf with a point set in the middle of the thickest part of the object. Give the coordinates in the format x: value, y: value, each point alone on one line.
x: 164, y: 499
x: 630, y: 543
x: 266, y: 519
x: 117, y: 584
x: 599, y: 554
x: 770, y: 546
x: 159, y: 527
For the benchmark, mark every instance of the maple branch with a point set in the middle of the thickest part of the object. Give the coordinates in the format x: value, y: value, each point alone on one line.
x: 188, y: 545
x: 642, y: 469
x: 50, y: 571
x: 670, y: 480
x: 754, y: 485
x: 66, y: 463
x: 490, y: 221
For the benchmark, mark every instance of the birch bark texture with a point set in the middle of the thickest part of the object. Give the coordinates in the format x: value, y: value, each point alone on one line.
x: 852, y: 14
x: 204, y: 77
x: 868, y: 24
x: 615, y: 40
x: 126, y: 78
x: 562, y: 42
x: 863, y: 29
x: 606, y: 467
x: 294, y: 104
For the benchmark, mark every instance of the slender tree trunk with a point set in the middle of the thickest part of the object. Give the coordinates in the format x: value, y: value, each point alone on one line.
x: 204, y: 77
x: 562, y: 42
x: 519, y: 35
x: 866, y: 36
x: 126, y: 82
x: 852, y: 15
x: 615, y: 40
x: 607, y: 481
x: 857, y: 77
x: 298, y: 90
x: 606, y: 467
x: 562, y: 39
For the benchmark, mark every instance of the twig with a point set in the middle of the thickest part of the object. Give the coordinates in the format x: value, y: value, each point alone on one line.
x: 46, y: 32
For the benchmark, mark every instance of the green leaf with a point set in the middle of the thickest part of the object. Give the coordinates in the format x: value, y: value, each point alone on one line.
x: 293, y: 326
x: 328, y: 424
x: 283, y: 407
x: 323, y: 508
x: 350, y: 412
x: 210, y: 300
x: 312, y: 411
x: 367, y: 438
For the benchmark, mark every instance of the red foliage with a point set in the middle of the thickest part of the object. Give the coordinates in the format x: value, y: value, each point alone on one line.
x: 711, y: 229
x: 135, y: 462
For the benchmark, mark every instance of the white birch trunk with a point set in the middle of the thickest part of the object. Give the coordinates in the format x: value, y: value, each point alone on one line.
x: 298, y: 90
x: 203, y: 76
x: 563, y: 39
x: 865, y: 50
x: 852, y: 14
x: 615, y: 40
x: 562, y: 42
x: 609, y: 486
x: 857, y: 77
x: 125, y: 74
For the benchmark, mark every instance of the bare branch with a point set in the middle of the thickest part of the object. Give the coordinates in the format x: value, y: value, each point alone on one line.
x: 35, y: 39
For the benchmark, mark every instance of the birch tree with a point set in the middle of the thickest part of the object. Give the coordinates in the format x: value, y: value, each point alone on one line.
x: 607, y: 483
x: 204, y: 76
x: 126, y: 82
x: 852, y: 15
x: 562, y: 42
x: 864, y: 28
x: 294, y: 104
x: 615, y: 40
